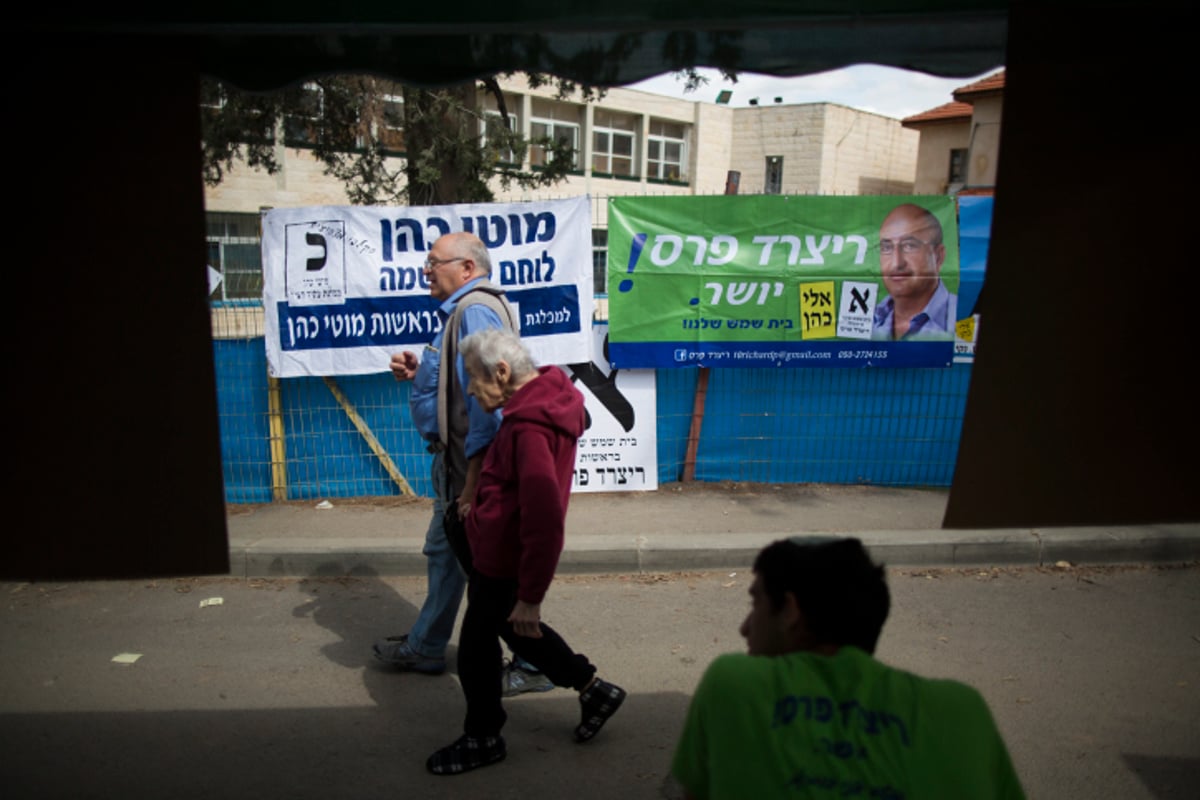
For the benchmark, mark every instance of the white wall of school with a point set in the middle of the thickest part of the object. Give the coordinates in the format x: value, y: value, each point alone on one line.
x: 827, y: 149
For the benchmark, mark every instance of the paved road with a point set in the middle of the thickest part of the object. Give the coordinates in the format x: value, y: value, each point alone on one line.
x: 1093, y: 675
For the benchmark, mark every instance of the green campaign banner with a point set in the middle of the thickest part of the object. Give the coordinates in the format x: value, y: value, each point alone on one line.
x: 782, y: 281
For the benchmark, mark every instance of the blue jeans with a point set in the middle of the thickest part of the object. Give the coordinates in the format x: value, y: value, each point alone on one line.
x: 431, y: 633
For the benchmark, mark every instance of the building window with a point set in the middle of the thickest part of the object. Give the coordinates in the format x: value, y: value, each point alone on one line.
x: 300, y: 126
x: 564, y: 132
x: 391, y: 132
x: 492, y: 127
x: 559, y: 122
x: 774, y: 182
x: 493, y: 124
x: 235, y: 251
x: 666, y: 151
x: 256, y: 127
x: 958, y: 165
x: 600, y: 260
x: 613, y: 143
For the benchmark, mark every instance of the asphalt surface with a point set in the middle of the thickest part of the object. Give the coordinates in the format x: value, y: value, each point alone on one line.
x: 687, y: 526
x: 1085, y: 642
x: 244, y: 689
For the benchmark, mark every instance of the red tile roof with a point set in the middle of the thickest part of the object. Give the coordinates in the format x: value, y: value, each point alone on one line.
x: 960, y: 109
x: 990, y: 84
x: 948, y: 112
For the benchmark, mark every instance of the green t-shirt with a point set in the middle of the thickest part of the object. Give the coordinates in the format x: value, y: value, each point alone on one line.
x: 810, y: 726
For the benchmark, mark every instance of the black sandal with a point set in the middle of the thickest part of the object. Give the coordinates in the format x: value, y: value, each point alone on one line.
x: 466, y: 754
x: 600, y: 701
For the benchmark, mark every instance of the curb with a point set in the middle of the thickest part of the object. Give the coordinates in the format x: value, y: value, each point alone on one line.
x: 673, y: 552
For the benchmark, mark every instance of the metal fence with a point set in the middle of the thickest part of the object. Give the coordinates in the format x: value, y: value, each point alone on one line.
x: 309, y: 438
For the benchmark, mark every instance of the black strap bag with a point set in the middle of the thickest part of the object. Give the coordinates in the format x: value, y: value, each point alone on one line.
x: 456, y: 534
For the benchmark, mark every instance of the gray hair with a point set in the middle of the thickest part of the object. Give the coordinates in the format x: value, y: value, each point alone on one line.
x: 476, y: 250
x: 490, y: 346
x: 464, y: 244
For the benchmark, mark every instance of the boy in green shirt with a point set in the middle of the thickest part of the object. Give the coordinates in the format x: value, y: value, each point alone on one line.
x: 810, y: 713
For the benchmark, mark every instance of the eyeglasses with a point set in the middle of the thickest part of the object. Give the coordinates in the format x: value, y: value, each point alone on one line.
x: 431, y: 263
x: 909, y: 246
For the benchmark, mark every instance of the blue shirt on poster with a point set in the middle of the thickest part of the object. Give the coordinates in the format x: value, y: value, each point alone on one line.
x: 936, y: 320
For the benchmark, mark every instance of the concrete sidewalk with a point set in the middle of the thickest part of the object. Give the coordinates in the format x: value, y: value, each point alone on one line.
x: 692, y: 526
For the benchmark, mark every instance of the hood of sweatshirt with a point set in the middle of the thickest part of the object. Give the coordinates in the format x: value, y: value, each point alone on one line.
x: 550, y: 399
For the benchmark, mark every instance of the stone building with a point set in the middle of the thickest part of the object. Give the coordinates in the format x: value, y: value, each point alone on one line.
x: 628, y: 143
x: 960, y: 141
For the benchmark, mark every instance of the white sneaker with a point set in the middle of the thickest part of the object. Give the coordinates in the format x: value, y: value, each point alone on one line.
x: 514, y: 681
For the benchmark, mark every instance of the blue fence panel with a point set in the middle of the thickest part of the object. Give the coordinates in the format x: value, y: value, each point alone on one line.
x: 675, y: 390
x: 241, y: 369
x: 890, y: 427
x: 327, y: 456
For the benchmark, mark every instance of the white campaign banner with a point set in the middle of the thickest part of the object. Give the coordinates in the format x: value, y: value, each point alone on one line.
x: 618, y: 452
x: 343, y: 287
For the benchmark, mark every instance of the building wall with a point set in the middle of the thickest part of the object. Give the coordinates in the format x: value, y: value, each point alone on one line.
x: 827, y: 149
x: 985, y: 141
x: 712, y: 156
x: 631, y: 100
x: 300, y: 182
x: 865, y: 154
x: 933, y: 157
x: 794, y: 132
x: 709, y: 130
x: 980, y: 136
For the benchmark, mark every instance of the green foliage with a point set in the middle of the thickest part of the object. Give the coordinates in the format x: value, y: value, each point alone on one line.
x: 238, y: 126
x: 386, y: 143
x: 389, y: 143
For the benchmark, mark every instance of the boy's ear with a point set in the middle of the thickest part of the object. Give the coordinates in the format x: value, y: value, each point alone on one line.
x: 791, y: 611
x: 791, y: 614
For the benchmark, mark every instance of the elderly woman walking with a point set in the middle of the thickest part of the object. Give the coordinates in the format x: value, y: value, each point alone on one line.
x: 515, y: 530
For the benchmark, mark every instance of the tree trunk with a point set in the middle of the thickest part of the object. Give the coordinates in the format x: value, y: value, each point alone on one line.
x: 441, y: 134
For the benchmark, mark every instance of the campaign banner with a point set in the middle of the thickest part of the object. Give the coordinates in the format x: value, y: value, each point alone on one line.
x: 618, y: 451
x: 343, y: 286
x: 782, y: 281
x: 975, y: 237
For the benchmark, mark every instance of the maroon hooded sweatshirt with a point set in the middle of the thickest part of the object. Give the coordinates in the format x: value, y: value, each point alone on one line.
x: 517, y: 521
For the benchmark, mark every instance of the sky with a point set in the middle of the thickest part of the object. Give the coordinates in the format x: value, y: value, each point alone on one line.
x: 890, y: 91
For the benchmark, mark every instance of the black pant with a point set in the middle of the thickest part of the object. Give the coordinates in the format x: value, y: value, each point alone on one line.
x: 489, y: 602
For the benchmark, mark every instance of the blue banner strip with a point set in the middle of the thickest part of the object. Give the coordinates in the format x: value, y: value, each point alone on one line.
x: 637, y: 355
x: 408, y: 321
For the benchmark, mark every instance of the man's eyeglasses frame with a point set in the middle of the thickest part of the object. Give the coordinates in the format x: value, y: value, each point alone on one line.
x: 432, y: 263
x: 909, y: 246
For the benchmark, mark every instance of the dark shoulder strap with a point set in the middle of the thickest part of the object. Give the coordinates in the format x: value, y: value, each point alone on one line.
x: 490, y: 295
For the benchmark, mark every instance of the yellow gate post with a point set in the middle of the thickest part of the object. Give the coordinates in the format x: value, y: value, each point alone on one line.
x: 278, y: 452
